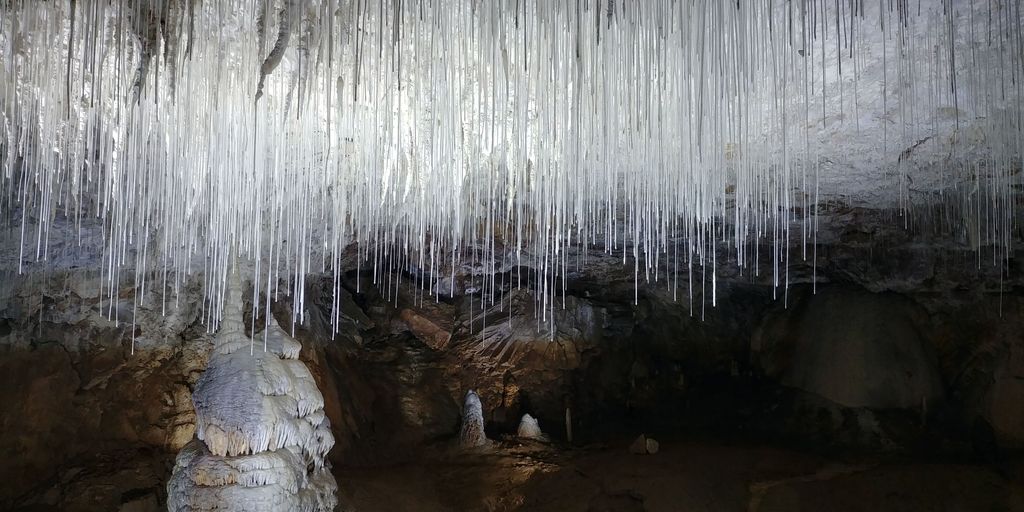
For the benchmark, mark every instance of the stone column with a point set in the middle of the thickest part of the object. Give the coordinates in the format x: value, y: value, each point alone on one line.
x: 261, y: 433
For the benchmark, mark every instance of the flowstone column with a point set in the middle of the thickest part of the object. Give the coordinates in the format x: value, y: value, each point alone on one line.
x: 261, y: 432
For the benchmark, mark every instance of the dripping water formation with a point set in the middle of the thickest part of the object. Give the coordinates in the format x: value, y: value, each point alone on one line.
x: 511, y: 255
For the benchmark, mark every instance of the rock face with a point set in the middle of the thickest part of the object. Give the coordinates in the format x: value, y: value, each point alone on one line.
x: 95, y: 423
x: 394, y: 377
x: 1006, y: 410
x: 1004, y: 400
x: 262, y: 436
x: 855, y: 348
x: 472, y: 435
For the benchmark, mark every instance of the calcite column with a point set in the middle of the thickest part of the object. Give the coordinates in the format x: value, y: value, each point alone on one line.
x: 261, y: 433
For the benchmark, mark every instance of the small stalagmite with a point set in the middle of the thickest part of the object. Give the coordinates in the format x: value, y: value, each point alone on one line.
x: 644, y: 445
x: 529, y: 428
x: 472, y: 435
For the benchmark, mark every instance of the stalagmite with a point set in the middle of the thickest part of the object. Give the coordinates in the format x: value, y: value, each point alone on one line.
x: 529, y: 428
x: 261, y: 436
x: 652, y: 446
x: 472, y: 434
x: 568, y: 425
x: 644, y: 445
x: 639, y: 445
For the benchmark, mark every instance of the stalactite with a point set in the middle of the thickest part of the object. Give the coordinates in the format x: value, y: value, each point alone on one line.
x: 441, y: 135
x: 284, y: 35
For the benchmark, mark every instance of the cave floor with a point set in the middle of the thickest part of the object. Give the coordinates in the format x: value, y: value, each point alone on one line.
x: 685, y: 475
x: 682, y: 476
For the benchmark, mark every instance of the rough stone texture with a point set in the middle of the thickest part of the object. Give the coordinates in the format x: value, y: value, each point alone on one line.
x: 384, y: 390
x: 426, y: 330
x: 855, y: 348
x: 706, y: 361
x: 74, y: 393
x: 994, y: 381
x: 661, y: 359
x: 518, y: 364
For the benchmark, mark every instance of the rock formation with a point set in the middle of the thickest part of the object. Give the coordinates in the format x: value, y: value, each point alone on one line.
x: 68, y: 371
x: 530, y: 429
x: 261, y: 432
x: 472, y: 435
x: 644, y: 445
x: 652, y: 446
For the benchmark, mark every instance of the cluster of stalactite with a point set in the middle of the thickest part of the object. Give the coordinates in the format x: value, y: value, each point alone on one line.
x: 507, y: 134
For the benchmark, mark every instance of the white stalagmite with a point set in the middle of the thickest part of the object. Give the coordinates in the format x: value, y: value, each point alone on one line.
x: 262, y: 436
x: 510, y: 132
x: 471, y: 434
x: 529, y: 428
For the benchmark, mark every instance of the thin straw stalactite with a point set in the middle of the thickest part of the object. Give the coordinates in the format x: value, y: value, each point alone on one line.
x: 438, y: 135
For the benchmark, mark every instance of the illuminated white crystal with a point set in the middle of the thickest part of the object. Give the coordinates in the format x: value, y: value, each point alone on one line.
x: 650, y: 130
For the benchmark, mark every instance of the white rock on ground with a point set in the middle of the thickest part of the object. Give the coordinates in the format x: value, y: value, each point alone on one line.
x: 261, y: 433
x: 644, y: 445
x: 529, y: 428
x: 652, y: 446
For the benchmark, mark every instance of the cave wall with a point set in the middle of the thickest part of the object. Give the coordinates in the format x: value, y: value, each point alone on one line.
x: 842, y: 365
x: 82, y: 412
x: 78, y: 403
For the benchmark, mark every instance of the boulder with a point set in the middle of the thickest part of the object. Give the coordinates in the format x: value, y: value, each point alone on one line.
x: 426, y: 329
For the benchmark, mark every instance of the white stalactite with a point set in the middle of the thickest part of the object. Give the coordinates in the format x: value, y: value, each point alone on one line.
x: 512, y: 133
